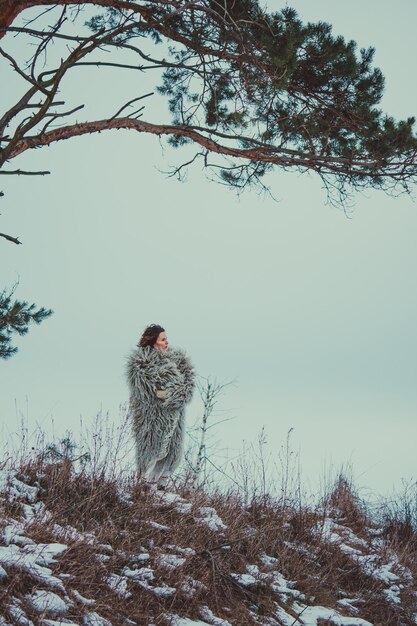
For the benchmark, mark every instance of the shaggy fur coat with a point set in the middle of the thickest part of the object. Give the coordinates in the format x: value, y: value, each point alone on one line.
x: 161, y: 384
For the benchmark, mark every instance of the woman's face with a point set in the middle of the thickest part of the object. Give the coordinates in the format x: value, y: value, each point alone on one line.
x: 162, y: 342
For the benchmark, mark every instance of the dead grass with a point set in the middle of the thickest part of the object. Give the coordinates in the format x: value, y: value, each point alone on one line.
x: 118, y: 519
x: 344, y: 504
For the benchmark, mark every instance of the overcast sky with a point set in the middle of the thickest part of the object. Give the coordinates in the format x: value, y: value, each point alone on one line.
x: 310, y: 311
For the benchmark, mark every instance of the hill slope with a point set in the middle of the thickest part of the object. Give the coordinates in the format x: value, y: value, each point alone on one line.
x: 78, y: 549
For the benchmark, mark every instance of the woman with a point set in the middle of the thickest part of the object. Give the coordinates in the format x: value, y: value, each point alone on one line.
x: 161, y: 382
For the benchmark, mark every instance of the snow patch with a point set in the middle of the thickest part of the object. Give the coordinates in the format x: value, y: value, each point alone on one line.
x: 211, y: 618
x: 49, y: 601
x: 19, y: 615
x: 17, y: 490
x: 269, y: 561
x: 170, y: 561
x: 190, y: 586
x: 144, y: 573
x: 247, y: 580
x: 82, y: 600
x: 118, y: 584
x: 155, y: 525
x: 13, y: 556
x: 54, y: 622
x: 311, y: 616
x: 210, y: 519
x: 94, y: 619
x: 183, y: 507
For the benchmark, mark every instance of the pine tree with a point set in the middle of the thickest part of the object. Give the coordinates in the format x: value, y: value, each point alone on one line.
x: 15, y: 317
x: 254, y: 91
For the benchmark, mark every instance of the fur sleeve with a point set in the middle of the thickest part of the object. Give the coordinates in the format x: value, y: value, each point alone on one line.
x: 183, y: 390
x: 141, y: 375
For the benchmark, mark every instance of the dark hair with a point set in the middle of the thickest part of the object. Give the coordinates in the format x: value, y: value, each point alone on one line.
x: 150, y: 335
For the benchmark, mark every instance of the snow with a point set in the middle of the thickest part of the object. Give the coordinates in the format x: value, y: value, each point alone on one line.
x: 190, y: 586
x: 107, y: 548
x: 269, y: 561
x: 69, y: 533
x: 183, y: 507
x: 247, y: 580
x: 82, y: 599
x: 254, y: 570
x: 281, y: 585
x: 118, y: 584
x: 163, y: 592
x: 94, y: 619
x: 210, y: 519
x: 45, y: 553
x: 186, y: 551
x: 144, y: 573
x: 19, y: 615
x: 170, y: 561
x: 156, y: 525
x: 169, y: 498
x: 284, y: 618
x: 49, y: 601
x: 181, y: 504
x: 350, y: 603
x: 13, y: 556
x: 53, y: 622
x: 370, y: 562
x: 393, y: 594
x: 18, y: 489
x: 208, y: 615
x: 141, y: 557
x: 312, y: 615
x: 142, y: 577
x: 335, y: 532
x: 14, y: 533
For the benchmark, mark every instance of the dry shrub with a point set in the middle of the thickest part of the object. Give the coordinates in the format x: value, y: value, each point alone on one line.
x: 345, y: 505
x: 399, y: 517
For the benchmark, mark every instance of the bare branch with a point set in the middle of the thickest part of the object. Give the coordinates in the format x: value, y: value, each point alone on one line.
x: 55, y: 116
x: 125, y: 66
x: 131, y: 102
x: 21, y: 72
x: 23, y: 173
x: 16, y: 109
x: 9, y: 238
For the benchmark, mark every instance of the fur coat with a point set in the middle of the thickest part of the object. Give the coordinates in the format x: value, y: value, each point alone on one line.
x: 161, y: 384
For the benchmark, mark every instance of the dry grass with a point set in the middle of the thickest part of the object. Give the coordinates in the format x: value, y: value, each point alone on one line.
x: 114, y: 512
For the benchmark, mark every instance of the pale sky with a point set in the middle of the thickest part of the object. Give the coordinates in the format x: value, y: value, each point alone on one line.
x: 311, y: 312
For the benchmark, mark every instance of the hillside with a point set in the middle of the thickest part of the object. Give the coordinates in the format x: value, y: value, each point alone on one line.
x: 78, y: 549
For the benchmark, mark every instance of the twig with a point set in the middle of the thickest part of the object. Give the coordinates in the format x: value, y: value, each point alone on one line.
x: 55, y: 116
x: 297, y: 619
x: 108, y: 64
x: 21, y: 73
x: 24, y: 173
x: 151, y: 93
